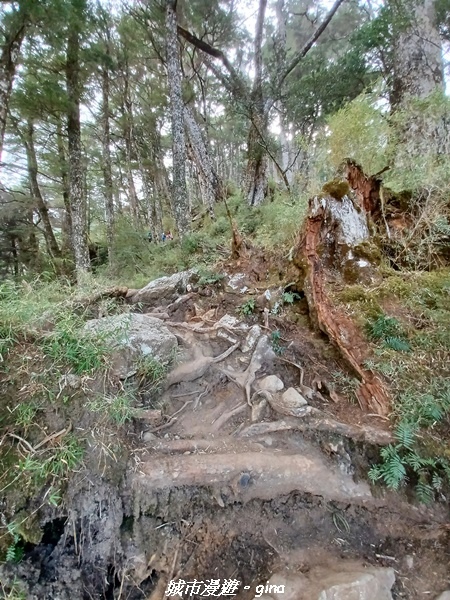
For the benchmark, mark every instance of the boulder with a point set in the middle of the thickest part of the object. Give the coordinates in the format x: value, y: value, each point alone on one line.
x: 165, y: 288
x: 133, y: 337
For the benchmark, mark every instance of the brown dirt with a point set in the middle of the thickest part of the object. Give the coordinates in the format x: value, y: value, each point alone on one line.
x: 184, y: 498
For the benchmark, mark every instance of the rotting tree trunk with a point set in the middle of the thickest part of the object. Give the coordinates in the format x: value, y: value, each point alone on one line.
x: 76, y: 170
x: 334, y: 241
x: 180, y: 201
x: 107, y: 172
x: 50, y: 239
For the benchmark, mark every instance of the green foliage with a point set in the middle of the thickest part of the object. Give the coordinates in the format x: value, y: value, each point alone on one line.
x: 24, y: 413
x: 275, y: 342
x: 207, y: 277
x: 57, y: 463
x: 410, y: 455
x: 152, y: 374
x: 248, y: 308
x: 390, y: 332
x: 118, y: 408
x: 360, y: 131
x: 12, y: 591
x: 290, y: 297
x: 15, y: 551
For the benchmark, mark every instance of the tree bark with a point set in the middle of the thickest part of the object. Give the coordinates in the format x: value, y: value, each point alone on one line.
x: 75, y: 159
x: 418, y: 60
x: 8, y: 62
x: 180, y: 201
x: 66, y: 245
x: 418, y: 73
x: 52, y: 244
x: 207, y: 177
x: 106, y: 164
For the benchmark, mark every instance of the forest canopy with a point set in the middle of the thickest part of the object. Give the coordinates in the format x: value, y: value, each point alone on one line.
x: 122, y: 121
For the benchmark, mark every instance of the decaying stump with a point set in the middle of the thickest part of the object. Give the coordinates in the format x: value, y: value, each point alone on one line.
x: 335, y: 246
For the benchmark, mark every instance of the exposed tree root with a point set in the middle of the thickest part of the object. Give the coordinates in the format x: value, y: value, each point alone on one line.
x: 320, y: 422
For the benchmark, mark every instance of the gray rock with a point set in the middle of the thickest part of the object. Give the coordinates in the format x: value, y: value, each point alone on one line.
x: 346, y: 583
x: 271, y: 384
x: 293, y: 398
x: 164, y: 288
x: 444, y: 596
x: 237, y: 282
x: 133, y: 337
x: 367, y: 584
x: 251, y: 339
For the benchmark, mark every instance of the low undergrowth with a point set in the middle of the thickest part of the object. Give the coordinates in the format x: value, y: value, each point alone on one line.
x: 407, y: 319
x: 46, y: 359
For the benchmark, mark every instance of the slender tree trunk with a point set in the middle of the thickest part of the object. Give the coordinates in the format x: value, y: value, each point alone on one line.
x: 207, y: 177
x: 107, y: 172
x: 9, y: 57
x: 127, y: 110
x: 76, y: 170
x: 41, y: 206
x: 180, y: 201
x: 66, y: 245
x: 255, y: 181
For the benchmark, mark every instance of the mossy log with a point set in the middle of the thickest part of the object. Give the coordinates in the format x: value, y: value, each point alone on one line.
x: 328, y: 250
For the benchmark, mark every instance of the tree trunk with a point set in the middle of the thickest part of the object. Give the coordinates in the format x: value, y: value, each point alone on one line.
x: 106, y: 165
x: 76, y: 170
x: 418, y: 73
x: 335, y: 241
x: 8, y: 62
x: 207, y: 177
x: 66, y: 245
x: 180, y: 201
x: 255, y: 182
x: 52, y: 244
x: 418, y: 61
x: 127, y: 111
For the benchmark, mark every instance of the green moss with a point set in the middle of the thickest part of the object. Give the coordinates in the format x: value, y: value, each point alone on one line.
x: 336, y: 188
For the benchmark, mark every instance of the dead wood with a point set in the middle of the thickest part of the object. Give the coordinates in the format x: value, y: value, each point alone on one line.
x: 330, y: 232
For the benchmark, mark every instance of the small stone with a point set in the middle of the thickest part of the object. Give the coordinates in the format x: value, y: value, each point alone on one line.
x: 73, y: 381
x: 409, y: 560
x: 292, y: 398
x: 149, y: 437
x: 245, y: 480
x: 251, y: 339
x: 271, y: 384
x: 259, y: 410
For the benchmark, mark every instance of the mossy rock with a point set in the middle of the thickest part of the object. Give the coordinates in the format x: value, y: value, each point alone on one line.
x: 337, y: 188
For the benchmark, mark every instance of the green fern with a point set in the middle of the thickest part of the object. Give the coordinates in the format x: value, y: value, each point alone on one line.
x: 424, y: 492
x: 397, y: 344
x: 393, y: 470
x: 405, y: 434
